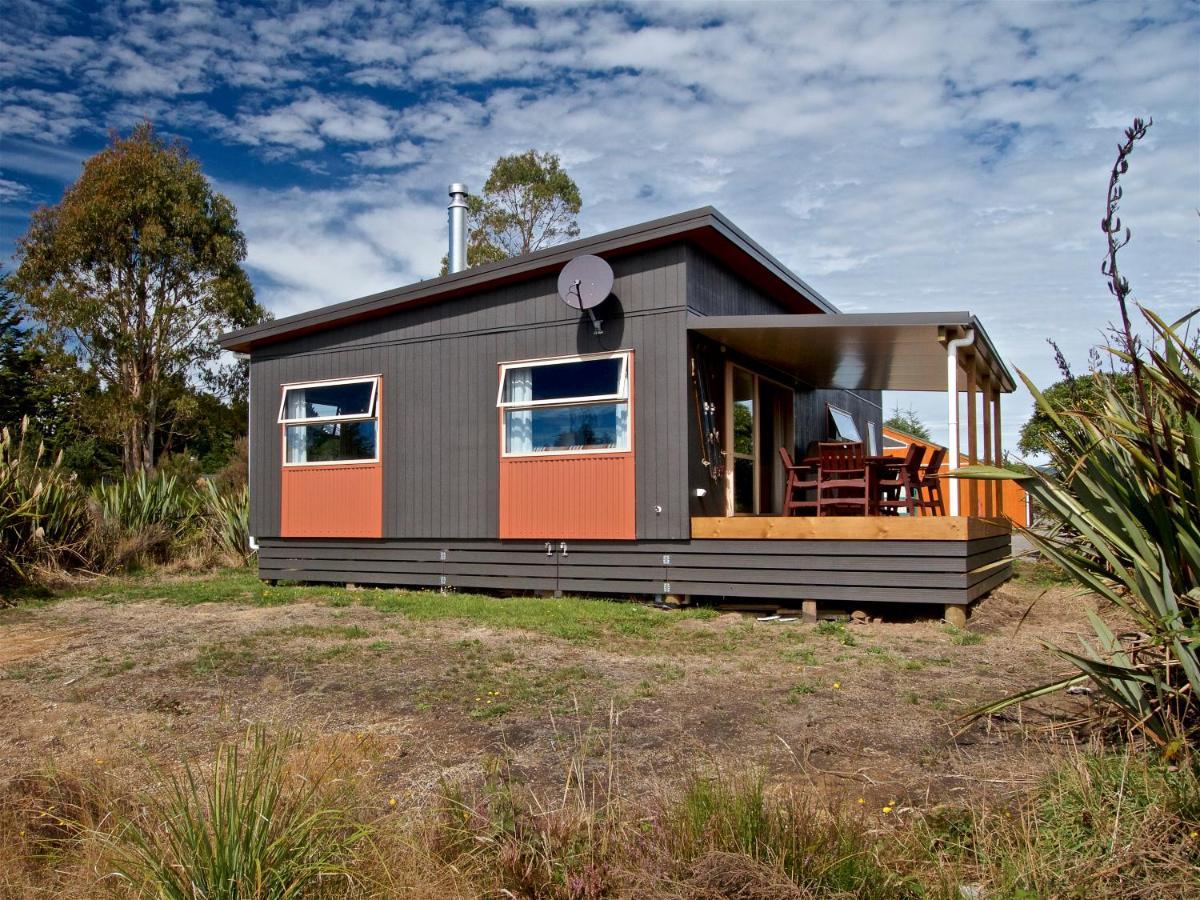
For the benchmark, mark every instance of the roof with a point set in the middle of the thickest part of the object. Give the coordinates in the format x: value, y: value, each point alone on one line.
x: 899, y: 434
x: 705, y: 227
x: 858, y: 351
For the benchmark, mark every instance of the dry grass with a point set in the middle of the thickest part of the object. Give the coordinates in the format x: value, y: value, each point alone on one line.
x: 596, y: 749
x: 1102, y: 825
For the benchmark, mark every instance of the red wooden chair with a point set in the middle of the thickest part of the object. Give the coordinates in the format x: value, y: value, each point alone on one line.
x: 929, y: 490
x: 899, y: 488
x: 800, y: 480
x: 842, y: 479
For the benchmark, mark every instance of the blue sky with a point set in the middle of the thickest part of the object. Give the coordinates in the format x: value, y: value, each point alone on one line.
x: 897, y: 156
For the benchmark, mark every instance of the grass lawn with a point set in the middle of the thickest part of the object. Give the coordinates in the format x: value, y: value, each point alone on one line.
x: 521, y: 709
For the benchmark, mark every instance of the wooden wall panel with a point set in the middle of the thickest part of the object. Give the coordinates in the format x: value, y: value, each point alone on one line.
x: 441, y: 448
x: 575, y: 497
x: 332, y: 501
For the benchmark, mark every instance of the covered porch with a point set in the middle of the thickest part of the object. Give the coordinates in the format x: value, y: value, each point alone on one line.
x: 794, y: 381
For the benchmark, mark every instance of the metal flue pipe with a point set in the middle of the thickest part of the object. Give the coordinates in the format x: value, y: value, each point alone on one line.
x: 457, y: 257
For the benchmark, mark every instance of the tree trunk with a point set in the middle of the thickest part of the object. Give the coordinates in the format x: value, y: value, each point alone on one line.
x: 149, y: 426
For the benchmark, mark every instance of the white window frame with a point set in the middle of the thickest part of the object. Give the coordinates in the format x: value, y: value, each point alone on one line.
x: 372, y: 415
x: 620, y: 396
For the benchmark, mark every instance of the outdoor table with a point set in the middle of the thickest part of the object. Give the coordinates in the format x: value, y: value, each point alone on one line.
x: 875, y: 466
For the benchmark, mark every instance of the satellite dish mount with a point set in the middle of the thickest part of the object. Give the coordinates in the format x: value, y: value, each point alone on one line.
x: 584, y: 283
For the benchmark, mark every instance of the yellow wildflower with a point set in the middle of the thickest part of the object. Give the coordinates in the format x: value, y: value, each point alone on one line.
x: 861, y: 801
x: 392, y: 801
x: 836, y: 685
x: 887, y: 809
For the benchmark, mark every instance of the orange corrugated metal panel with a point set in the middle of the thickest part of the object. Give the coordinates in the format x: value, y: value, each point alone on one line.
x: 332, y: 501
x: 578, y: 497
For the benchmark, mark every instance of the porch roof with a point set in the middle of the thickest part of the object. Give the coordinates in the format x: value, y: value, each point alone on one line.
x: 859, y: 351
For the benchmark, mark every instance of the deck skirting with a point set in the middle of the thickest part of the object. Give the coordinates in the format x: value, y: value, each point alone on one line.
x: 835, y: 570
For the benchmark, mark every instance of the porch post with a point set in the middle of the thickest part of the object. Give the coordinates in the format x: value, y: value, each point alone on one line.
x: 952, y: 347
x: 998, y: 452
x: 989, y: 487
x: 972, y: 434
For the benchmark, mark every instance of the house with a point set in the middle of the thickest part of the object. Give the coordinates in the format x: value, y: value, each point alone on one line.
x: 1012, y: 500
x: 476, y: 431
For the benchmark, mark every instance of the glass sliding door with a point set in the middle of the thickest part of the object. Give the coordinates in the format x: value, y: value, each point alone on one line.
x: 759, y: 420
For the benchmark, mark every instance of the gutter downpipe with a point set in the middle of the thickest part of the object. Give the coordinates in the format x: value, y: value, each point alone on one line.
x: 952, y: 348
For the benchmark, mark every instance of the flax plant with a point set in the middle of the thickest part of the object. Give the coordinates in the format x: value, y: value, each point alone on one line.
x: 1125, y: 499
x: 44, y: 518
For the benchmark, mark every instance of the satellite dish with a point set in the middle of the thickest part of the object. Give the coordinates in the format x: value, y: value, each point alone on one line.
x: 585, y: 282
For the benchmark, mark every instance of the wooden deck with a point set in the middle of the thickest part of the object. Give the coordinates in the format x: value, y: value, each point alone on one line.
x: 849, y: 528
x: 839, y: 562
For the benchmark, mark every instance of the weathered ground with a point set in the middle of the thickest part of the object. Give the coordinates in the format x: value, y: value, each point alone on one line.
x: 137, y: 669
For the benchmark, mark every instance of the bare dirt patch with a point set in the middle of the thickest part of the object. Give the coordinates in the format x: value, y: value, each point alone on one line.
x: 867, y: 709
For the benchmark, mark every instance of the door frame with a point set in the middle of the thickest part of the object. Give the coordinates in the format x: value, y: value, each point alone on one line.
x: 755, y: 455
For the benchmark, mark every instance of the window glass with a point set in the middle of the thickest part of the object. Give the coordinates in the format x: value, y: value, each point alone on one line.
x: 564, y: 381
x: 546, y: 429
x: 872, y: 439
x: 843, y: 425
x: 560, y: 425
x: 331, y: 442
x: 324, y: 400
x: 743, y: 485
x: 743, y: 411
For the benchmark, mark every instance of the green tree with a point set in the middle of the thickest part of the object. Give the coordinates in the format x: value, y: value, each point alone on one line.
x: 1086, y: 394
x: 528, y: 203
x: 906, y: 420
x: 19, y: 361
x: 138, y: 270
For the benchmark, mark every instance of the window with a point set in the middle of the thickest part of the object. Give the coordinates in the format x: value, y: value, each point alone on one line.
x: 330, y: 421
x: 844, y: 428
x: 873, y: 439
x: 573, y: 405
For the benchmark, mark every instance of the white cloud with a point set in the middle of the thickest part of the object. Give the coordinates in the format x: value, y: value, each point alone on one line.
x: 12, y: 190
x: 897, y: 156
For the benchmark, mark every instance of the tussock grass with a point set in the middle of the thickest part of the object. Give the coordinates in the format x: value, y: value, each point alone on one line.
x: 272, y: 816
x: 1103, y: 824
x: 252, y: 826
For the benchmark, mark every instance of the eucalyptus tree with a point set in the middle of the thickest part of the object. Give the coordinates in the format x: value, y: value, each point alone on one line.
x: 137, y: 270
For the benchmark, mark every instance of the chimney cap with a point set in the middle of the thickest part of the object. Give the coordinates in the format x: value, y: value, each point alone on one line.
x: 458, y: 188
